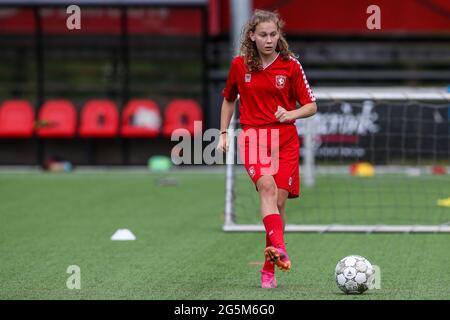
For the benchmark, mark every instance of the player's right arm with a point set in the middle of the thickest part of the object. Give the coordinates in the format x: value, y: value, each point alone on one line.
x: 225, y: 117
x: 230, y: 94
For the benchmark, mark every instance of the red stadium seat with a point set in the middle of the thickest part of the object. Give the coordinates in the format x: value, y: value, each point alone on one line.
x: 16, y: 119
x: 99, y: 119
x: 57, y: 119
x: 141, y: 119
x: 181, y: 114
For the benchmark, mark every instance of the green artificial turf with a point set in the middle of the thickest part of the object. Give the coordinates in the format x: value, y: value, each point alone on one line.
x: 51, y: 221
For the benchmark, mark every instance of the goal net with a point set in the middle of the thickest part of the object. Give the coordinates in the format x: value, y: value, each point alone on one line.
x: 372, y: 160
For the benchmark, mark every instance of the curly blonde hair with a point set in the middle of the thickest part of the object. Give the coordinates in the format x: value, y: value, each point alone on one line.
x: 248, y: 47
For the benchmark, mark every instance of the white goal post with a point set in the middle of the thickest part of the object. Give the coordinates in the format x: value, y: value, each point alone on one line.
x: 419, y: 157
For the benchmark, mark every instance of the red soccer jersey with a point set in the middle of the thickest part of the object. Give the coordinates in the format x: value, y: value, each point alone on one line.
x: 281, y: 83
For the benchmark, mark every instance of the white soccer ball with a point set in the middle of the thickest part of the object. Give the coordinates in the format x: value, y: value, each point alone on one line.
x: 354, y: 274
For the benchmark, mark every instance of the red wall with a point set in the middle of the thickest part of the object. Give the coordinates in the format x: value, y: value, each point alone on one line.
x: 301, y: 16
x: 173, y: 21
x: 349, y: 16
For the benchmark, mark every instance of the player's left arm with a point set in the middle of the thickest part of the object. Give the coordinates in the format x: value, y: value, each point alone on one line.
x: 303, y: 94
x: 305, y: 111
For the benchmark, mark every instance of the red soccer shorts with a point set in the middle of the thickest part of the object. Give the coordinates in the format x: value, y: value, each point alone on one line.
x: 272, y: 150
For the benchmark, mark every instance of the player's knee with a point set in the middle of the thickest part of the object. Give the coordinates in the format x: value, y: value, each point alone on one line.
x: 267, y: 187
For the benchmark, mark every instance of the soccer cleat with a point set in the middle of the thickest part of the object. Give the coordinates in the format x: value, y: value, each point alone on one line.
x: 279, y: 257
x: 268, y: 280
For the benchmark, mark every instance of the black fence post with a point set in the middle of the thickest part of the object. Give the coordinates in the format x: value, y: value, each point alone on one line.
x: 40, y: 85
x: 205, y: 67
x: 125, y: 68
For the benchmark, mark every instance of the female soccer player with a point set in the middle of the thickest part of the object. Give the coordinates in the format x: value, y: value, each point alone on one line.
x: 269, y: 80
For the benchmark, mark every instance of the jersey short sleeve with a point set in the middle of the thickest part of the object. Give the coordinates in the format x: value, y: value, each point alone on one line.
x: 230, y: 91
x: 302, y: 91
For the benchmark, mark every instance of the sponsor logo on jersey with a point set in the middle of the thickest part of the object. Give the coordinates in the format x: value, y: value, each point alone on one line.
x: 280, y: 81
x: 248, y: 77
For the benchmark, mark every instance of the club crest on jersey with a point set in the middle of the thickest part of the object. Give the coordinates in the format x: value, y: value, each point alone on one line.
x: 280, y: 81
x: 248, y: 77
x: 251, y: 171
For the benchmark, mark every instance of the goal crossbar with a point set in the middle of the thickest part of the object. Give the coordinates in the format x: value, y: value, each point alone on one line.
x: 382, y: 93
x: 337, y: 228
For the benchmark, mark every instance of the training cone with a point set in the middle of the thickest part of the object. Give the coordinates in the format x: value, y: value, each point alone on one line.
x: 362, y: 169
x: 444, y: 202
x: 123, y: 234
x: 159, y: 163
x: 439, y: 170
